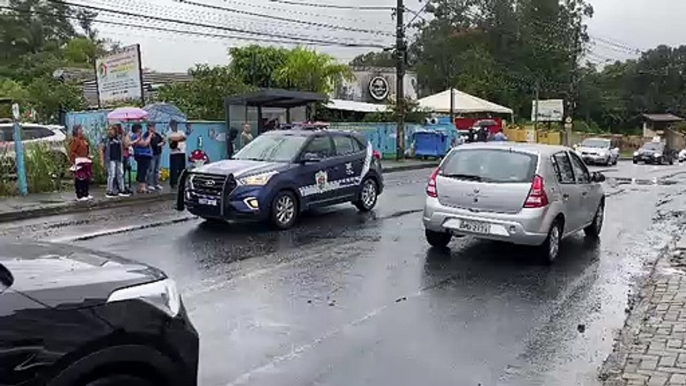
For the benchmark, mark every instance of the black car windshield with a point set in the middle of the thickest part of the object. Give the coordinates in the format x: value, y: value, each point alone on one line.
x: 596, y: 143
x: 490, y: 165
x: 272, y: 148
x: 653, y: 146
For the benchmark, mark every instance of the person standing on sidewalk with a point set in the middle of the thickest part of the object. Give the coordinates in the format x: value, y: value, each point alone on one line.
x: 112, y: 158
x: 142, y: 153
x: 157, y: 141
x: 79, y: 155
x: 177, y: 157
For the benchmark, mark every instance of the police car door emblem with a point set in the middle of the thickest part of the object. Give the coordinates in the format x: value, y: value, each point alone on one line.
x: 322, y: 179
x: 349, y: 169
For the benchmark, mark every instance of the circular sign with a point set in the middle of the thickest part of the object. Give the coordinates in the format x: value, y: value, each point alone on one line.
x: 378, y: 88
x: 568, y: 120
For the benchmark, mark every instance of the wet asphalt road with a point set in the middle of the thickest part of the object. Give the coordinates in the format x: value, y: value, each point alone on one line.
x: 352, y: 299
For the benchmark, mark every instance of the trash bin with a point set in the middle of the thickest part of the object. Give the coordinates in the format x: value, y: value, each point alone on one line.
x: 430, y: 143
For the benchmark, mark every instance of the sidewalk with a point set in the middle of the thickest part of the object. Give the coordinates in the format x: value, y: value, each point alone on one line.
x: 653, y: 347
x: 48, y: 204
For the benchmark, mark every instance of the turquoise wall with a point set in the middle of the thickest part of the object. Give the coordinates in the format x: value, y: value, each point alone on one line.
x: 206, y: 135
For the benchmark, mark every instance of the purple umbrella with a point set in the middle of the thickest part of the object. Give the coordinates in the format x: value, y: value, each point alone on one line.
x: 127, y: 114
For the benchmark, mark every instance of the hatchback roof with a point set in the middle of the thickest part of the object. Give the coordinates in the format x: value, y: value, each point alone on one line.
x: 516, y: 146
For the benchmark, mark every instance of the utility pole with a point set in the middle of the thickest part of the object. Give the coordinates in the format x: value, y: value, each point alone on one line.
x: 400, y: 51
x: 536, y: 98
x: 572, y: 91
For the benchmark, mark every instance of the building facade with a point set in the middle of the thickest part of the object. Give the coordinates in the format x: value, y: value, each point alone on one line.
x: 374, y: 85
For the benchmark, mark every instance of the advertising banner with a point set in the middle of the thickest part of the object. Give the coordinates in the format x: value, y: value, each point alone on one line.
x: 550, y: 110
x: 118, y: 76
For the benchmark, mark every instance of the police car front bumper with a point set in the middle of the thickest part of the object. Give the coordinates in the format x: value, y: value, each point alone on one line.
x: 231, y: 202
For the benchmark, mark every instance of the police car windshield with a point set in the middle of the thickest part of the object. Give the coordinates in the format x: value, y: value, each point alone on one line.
x: 272, y: 148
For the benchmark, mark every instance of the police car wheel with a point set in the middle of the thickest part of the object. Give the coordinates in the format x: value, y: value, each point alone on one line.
x: 284, y: 210
x: 368, y: 195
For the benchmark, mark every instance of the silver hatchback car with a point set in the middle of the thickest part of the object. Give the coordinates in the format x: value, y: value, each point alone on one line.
x: 526, y: 194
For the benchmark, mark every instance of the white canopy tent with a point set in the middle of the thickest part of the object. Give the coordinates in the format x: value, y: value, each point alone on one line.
x: 463, y: 103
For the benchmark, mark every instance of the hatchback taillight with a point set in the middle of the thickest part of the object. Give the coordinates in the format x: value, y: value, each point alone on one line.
x: 376, y: 154
x: 431, y: 189
x: 537, y: 197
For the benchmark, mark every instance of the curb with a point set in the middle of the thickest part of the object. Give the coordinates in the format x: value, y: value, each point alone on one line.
x: 80, y: 207
x: 111, y: 232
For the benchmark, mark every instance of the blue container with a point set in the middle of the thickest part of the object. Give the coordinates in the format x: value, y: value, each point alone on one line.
x: 430, y: 143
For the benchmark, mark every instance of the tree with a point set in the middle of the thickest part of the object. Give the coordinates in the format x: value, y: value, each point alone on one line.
x: 501, y: 49
x: 203, y: 97
x: 374, y: 59
x: 308, y: 70
x: 257, y: 66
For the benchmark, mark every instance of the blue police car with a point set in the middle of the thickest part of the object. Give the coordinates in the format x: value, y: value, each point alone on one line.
x: 283, y: 173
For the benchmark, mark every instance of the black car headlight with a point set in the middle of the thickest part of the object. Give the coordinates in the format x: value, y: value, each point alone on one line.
x: 161, y: 294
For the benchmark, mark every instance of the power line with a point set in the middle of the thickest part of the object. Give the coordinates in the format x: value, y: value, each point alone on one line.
x: 223, y: 28
x: 335, y: 6
x: 303, y: 13
x: 286, y: 19
x: 219, y: 18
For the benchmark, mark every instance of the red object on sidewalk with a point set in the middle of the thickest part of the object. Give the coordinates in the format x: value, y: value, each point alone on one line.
x: 467, y: 123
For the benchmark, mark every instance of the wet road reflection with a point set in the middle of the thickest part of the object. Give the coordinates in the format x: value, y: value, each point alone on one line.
x: 346, y: 298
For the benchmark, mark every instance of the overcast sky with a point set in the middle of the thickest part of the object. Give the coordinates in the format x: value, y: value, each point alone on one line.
x: 617, y: 28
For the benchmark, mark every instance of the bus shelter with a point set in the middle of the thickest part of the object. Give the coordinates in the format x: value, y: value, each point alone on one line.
x: 267, y: 108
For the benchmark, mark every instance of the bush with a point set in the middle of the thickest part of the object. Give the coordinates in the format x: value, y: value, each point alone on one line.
x: 45, y: 167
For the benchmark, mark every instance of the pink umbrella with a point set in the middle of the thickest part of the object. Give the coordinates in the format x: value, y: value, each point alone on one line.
x: 127, y: 114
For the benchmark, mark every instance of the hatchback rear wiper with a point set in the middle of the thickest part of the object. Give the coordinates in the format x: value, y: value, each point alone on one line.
x: 470, y: 177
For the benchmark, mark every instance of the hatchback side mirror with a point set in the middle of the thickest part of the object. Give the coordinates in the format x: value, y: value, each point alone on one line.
x: 597, y: 177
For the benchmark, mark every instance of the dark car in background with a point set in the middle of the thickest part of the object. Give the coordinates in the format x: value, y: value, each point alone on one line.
x: 283, y: 173
x: 74, y: 317
x: 655, y: 152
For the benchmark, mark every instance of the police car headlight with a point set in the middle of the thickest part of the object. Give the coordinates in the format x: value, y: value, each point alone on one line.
x: 657, y: 155
x: 635, y: 153
x: 161, y: 294
x: 257, y: 179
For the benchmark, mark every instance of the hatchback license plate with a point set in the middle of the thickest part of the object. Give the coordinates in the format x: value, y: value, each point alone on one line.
x: 475, y: 226
x: 205, y: 201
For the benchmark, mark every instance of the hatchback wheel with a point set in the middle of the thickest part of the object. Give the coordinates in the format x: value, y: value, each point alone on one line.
x: 284, y: 210
x: 368, y: 195
x: 596, y: 226
x: 438, y: 239
x: 550, y: 249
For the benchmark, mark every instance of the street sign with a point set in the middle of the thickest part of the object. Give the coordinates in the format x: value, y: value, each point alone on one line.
x: 15, y: 111
x: 550, y: 110
x: 568, y: 125
x: 568, y: 120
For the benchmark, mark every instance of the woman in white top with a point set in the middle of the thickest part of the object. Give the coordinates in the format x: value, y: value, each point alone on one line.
x: 177, y: 156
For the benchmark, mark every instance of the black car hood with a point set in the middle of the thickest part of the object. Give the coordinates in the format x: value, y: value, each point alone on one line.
x: 648, y: 151
x: 241, y: 167
x: 66, y: 276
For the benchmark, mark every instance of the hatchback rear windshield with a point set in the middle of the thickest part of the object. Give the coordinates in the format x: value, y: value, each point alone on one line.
x: 490, y: 165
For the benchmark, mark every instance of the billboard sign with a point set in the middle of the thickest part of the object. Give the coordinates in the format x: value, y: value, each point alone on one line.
x: 550, y: 110
x: 118, y: 76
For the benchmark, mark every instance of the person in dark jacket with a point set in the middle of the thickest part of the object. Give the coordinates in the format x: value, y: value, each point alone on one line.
x: 112, y: 159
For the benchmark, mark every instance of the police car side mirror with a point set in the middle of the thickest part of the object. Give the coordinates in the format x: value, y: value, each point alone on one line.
x: 310, y: 158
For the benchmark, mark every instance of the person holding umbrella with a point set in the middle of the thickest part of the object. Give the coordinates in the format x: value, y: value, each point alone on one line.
x: 142, y: 153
